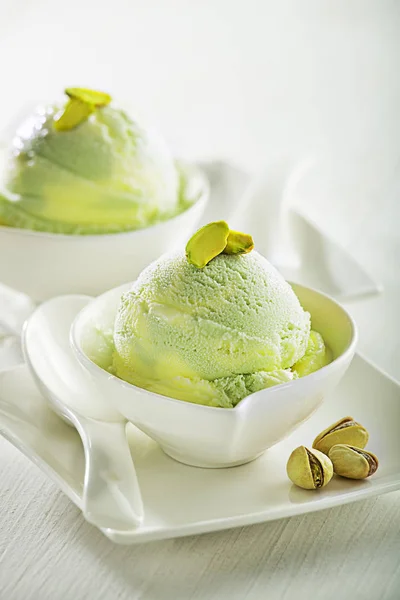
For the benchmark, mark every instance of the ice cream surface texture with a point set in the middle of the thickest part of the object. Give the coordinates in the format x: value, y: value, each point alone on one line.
x: 212, y: 335
x: 100, y: 174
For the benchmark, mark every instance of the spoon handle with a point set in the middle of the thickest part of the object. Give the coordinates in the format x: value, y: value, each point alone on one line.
x: 111, y: 492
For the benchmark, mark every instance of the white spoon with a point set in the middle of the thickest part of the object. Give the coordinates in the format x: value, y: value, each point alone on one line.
x: 111, y: 493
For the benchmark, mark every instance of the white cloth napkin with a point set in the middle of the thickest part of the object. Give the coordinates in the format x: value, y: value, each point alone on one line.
x: 265, y: 206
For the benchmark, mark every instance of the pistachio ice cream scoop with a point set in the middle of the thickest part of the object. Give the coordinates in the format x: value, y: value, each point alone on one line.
x: 87, y: 167
x: 212, y: 327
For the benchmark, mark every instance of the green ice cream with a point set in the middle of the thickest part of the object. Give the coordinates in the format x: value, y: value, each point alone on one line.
x: 104, y: 174
x: 317, y: 355
x: 211, y: 335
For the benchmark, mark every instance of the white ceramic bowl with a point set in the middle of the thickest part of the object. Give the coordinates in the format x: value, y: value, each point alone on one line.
x: 44, y: 265
x: 218, y: 437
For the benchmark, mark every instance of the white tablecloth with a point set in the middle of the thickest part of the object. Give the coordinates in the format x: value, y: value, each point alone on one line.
x: 242, y: 81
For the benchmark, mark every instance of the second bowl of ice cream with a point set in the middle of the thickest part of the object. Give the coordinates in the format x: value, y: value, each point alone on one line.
x: 88, y: 194
x: 216, y: 362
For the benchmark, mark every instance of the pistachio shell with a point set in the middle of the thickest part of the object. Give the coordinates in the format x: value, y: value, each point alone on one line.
x: 352, y: 462
x: 309, y: 468
x: 238, y: 243
x: 344, y: 431
x: 207, y: 243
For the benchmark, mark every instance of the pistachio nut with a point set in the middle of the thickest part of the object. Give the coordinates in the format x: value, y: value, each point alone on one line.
x: 207, y: 243
x: 352, y: 462
x: 94, y: 97
x: 74, y: 113
x: 81, y: 104
x: 345, y: 431
x: 309, y: 469
x: 238, y: 243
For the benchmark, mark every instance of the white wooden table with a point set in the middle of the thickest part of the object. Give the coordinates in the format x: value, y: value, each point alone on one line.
x: 242, y: 81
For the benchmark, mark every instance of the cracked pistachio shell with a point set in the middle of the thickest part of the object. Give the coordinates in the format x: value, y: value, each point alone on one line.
x: 344, y: 431
x: 352, y: 462
x: 309, y: 469
x: 207, y: 243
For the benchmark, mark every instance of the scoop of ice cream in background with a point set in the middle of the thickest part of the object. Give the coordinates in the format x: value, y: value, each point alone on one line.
x: 104, y: 173
x: 213, y: 335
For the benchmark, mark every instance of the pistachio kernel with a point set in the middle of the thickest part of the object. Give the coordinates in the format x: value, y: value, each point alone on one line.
x: 238, y: 243
x: 74, y: 113
x: 81, y: 104
x: 94, y: 97
x: 207, y: 243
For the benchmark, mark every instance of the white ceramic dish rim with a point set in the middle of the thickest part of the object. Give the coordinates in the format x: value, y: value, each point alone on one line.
x: 98, y: 371
x: 201, y: 200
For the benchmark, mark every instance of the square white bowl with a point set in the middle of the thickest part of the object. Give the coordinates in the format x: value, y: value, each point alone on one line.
x: 43, y: 265
x: 217, y: 437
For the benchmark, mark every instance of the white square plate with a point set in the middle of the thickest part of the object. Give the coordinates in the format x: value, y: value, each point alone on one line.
x: 181, y: 500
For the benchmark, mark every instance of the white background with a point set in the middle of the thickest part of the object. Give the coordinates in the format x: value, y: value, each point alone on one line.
x: 231, y: 78
x: 244, y: 81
